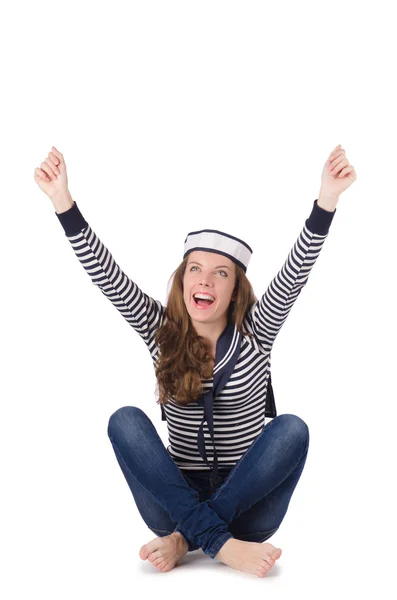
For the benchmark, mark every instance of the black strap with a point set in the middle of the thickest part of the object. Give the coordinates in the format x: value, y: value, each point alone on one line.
x: 270, y: 409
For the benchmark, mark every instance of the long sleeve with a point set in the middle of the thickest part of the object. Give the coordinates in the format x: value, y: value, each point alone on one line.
x: 269, y: 313
x: 141, y: 312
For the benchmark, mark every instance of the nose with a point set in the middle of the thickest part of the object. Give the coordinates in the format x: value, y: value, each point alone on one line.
x: 205, y: 283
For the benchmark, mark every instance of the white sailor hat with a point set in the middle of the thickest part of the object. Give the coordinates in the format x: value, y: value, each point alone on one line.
x: 212, y: 240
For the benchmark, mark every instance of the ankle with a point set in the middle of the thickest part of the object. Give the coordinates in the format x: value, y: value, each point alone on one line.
x: 180, y: 539
x: 227, y: 546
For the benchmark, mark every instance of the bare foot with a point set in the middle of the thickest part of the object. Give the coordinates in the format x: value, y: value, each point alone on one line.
x: 164, y: 552
x: 250, y: 557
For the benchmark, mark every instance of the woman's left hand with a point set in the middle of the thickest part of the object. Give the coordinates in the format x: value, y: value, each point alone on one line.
x: 338, y: 174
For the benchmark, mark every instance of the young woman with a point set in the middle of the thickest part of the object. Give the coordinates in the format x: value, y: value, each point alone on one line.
x: 226, y: 486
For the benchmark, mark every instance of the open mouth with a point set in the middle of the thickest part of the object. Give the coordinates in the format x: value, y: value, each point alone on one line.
x: 201, y: 303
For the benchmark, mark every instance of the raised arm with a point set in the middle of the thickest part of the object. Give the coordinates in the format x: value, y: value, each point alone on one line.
x: 268, y: 315
x: 141, y: 312
x: 270, y: 312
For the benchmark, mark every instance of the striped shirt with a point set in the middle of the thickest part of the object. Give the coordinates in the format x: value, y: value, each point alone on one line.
x: 239, y: 410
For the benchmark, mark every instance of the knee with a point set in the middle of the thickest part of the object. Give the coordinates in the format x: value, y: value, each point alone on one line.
x: 295, y: 428
x: 123, y: 417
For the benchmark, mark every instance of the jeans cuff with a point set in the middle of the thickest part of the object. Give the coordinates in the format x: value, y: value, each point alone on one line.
x: 191, y: 547
x: 218, y: 546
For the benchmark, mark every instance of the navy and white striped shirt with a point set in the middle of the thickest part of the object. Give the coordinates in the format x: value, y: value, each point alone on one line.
x: 239, y: 410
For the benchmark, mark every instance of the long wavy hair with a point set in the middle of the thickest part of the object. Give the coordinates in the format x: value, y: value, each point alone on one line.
x: 184, y: 356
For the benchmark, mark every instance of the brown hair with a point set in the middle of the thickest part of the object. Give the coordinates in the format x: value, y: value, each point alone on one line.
x: 183, y: 354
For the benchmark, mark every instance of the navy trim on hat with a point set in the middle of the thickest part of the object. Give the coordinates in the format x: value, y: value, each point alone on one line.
x: 232, y: 237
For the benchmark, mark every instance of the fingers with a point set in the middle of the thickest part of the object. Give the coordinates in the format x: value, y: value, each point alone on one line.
x: 41, y: 174
x: 347, y: 170
x: 337, y: 163
x: 337, y: 159
x: 52, y: 166
x: 47, y: 169
x: 54, y: 159
x: 335, y: 153
x: 339, y: 166
x: 57, y: 154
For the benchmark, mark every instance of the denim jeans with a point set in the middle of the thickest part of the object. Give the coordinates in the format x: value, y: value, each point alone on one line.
x: 249, y: 503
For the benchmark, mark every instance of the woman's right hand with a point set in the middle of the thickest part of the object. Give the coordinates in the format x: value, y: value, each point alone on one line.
x: 52, y: 178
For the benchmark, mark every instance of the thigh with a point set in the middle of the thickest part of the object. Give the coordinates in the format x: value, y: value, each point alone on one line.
x: 144, y: 461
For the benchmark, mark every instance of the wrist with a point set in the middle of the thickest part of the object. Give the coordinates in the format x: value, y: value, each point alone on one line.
x: 327, y: 201
x: 62, y: 202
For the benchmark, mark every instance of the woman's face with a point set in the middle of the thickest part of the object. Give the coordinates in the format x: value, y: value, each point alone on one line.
x: 212, y: 274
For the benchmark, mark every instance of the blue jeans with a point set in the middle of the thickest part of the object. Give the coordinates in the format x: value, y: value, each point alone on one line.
x: 248, y: 504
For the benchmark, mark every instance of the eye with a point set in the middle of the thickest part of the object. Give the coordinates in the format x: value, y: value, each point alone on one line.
x: 220, y: 270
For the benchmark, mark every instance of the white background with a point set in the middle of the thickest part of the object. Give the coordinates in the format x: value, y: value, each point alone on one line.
x: 172, y: 117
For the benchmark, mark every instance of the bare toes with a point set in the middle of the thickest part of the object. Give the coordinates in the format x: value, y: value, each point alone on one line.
x: 260, y: 573
x: 264, y: 569
x: 153, y: 556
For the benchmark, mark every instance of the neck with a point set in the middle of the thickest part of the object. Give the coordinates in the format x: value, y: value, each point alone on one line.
x: 211, y: 331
